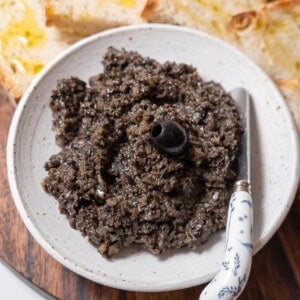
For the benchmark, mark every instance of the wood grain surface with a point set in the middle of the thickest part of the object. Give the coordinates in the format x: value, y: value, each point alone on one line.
x: 275, y: 274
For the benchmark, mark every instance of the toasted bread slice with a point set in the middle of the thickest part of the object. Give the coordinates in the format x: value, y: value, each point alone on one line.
x: 87, y: 17
x: 290, y: 89
x: 271, y: 36
x: 26, y: 44
x: 211, y: 16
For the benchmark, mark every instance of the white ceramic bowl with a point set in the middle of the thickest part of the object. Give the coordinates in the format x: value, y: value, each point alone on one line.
x: 275, y: 157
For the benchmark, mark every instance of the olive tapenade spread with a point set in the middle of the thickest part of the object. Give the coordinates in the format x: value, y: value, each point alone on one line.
x: 118, y: 178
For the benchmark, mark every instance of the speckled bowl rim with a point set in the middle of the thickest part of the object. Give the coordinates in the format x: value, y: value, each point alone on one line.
x: 11, y: 167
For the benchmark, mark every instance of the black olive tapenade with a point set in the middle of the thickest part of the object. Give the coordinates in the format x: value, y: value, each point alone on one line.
x: 113, y: 184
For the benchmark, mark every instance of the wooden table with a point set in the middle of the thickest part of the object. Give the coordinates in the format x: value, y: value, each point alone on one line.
x: 275, y: 273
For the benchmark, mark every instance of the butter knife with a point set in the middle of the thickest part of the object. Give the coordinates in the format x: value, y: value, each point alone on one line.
x: 235, y: 269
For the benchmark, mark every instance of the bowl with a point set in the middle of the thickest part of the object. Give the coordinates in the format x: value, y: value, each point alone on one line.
x: 275, y: 157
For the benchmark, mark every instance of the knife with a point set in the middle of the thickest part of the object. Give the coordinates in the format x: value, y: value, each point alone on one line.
x: 236, y: 265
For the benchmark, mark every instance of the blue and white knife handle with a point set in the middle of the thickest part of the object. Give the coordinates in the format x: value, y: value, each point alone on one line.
x: 235, y: 269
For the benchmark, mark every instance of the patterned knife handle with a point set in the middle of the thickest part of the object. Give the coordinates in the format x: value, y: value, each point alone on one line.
x: 234, y: 273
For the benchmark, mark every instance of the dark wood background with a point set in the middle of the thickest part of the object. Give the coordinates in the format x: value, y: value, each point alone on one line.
x: 275, y: 274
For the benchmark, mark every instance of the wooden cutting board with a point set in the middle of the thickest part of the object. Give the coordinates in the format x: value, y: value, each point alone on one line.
x: 275, y: 274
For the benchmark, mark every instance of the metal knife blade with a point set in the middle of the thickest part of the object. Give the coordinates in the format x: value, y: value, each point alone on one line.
x: 242, y: 100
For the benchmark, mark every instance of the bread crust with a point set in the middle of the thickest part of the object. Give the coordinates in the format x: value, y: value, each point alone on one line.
x: 293, y: 83
x: 149, y: 8
x: 9, y: 86
x: 243, y: 20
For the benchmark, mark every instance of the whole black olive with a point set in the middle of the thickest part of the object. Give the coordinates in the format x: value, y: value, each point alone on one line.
x: 169, y: 137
